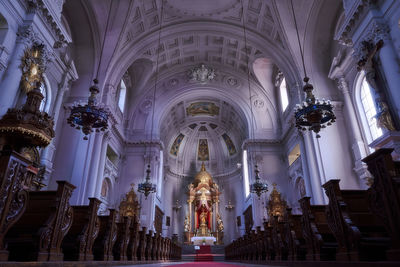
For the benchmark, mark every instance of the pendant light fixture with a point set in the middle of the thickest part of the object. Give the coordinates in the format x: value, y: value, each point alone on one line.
x: 91, y: 116
x: 312, y: 114
x: 258, y: 187
x: 147, y: 187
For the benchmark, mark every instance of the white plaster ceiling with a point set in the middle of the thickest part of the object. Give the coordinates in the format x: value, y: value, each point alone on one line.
x: 228, y: 121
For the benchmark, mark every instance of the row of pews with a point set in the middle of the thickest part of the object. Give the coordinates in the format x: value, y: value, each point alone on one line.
x: 43, y: 226
x: 356, y: 225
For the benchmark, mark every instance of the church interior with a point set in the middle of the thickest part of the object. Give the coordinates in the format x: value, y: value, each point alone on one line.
x: 208, y: 132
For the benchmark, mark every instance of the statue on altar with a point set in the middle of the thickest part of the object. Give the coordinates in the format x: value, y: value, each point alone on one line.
x: 203, y: 201
x: 187, y: 229
x: 220, y: 224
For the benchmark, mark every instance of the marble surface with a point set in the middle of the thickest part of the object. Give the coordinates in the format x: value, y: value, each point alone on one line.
x: 198, y: 240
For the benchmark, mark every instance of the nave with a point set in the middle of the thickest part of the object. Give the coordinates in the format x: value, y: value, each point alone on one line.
x: 242, y: 132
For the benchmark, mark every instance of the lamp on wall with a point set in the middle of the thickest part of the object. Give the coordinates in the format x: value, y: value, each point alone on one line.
x: 229, y: 206
x: 312, y: 114
x: 258, y: 187
x: 177, y: 206
x: 147, y: 187
x: 91, y: 116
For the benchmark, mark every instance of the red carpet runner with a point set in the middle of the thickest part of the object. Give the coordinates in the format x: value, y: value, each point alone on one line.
x: 204, y: 254
x: 211, y: 263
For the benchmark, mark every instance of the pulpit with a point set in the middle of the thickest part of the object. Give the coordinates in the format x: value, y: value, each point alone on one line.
x: 203, y: 221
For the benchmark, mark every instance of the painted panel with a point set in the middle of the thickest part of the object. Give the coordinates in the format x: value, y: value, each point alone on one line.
x: 202, y: 108
x: 203, y: 154
x: 229, y: 144
x: 175, y: 146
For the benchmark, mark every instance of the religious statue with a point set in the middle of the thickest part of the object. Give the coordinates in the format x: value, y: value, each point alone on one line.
x: 202, y: 74
x: 187, y: 225
x: 220, y: 224
x: 203, y: 216
x: 383, y: 117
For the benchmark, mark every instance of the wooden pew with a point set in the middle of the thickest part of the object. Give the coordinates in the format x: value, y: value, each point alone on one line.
x: 294, y: 221
x: 77, y: 244
x: 321, y: 243
x: 260, y: 255
x: 141, y: 251
x: 134, y: 239
x: 121, y: 243
x: 360, y: 234
x: 289, y: 235
x: 14, y: 197
x: 268, y: 242
x: 38, y: 235
x: 103, y: 245
x: 149, y: 246
x: 384, y: 195
x: 154, y: 248
x: 280, y: 246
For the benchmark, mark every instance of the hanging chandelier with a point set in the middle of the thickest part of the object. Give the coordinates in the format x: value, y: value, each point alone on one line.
x: 90, y: 117
x: 147, y: 187
x: 258, y: 187
x: 312, y: 114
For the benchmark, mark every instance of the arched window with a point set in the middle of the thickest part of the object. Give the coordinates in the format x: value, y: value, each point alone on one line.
x: 369, y: 111
x: 44, y: 93
x: 3, y: 29
x: 122, y: 95
x: 283, y: 94
x: 246, y: 174
x: 45, y: 90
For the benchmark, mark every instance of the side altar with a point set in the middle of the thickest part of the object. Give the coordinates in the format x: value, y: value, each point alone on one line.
x: 203, y: 223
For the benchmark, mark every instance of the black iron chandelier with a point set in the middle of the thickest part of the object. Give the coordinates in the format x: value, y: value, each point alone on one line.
x: 312, y: 114
x: 90, y: 116
x: 258, y: 187
x: 147, y: 187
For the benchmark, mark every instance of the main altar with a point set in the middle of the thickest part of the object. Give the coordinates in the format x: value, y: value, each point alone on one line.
x: 203, y: 223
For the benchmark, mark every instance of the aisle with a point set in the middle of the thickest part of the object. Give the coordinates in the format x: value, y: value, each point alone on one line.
x: 196, y: 264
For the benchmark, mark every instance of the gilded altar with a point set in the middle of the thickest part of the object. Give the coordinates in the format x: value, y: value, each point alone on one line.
x: 203, y: 218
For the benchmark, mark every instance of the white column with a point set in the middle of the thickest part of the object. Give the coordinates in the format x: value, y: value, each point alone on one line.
x: 314, y: 177
x: 91, y: 180
x: 47, y: 156
x: 12, y: 76
x: 94, y: 190
x: 358, y: 146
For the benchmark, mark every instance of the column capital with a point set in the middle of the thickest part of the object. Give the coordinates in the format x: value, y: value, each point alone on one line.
x: 379, y: 31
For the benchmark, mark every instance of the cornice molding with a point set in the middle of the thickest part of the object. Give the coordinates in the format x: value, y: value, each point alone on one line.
x: 61, y: 35
x: 235, y: 172
x: 155, y: 143
x: 353, y: 18
x: 262, y: 142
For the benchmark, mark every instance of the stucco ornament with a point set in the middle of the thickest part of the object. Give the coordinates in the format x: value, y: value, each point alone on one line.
x: 202, y: 74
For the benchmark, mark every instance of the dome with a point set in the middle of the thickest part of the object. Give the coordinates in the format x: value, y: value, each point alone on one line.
x: 202, y: 177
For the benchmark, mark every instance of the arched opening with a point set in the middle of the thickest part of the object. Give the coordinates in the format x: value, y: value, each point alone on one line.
x: 367, y: 109
x: 3, y: 29
x: 122, y: 95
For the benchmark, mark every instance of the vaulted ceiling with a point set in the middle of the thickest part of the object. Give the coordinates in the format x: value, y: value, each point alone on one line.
x: 190, y: 32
